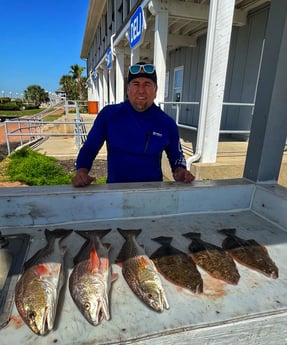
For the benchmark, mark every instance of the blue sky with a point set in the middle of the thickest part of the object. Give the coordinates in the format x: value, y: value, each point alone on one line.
x: 39, y: 41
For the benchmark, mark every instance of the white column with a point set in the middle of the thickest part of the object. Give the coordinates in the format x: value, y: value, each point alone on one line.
x: 135, y: 55
x: 120, y: 66
x: 215, y: 67
x: 93, y: 94
x: 100, y: 88
x: 105, y: 86
x: 160, y: 45
x: 112, y: 97
x: 269, y: 124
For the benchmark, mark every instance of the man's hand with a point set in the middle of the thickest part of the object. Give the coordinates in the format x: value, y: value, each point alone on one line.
x: 182, y: 175
x: 82, y: 178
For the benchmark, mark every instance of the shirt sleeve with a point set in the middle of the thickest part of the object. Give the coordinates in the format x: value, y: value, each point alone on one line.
x: 95, y: 140
x: 174, y: 150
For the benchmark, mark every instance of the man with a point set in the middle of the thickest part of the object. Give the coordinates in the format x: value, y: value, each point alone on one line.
x: 136, y: 133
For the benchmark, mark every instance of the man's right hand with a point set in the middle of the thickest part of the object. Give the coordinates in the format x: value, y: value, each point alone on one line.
x: 82, y: 178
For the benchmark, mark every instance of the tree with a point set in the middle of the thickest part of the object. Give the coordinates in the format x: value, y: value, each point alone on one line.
x: 76, y: 72
x: 69, y: 86
x: 36, y: 94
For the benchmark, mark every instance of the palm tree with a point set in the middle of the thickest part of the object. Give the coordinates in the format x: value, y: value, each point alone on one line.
x: 76, y: 72
x: 69, y: 87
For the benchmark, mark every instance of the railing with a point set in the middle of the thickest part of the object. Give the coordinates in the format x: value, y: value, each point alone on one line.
x: 32, y: 129
x: 193, y: 128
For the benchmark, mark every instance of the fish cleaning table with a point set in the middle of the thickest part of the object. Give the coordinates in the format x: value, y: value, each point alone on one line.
x: 252, y: 312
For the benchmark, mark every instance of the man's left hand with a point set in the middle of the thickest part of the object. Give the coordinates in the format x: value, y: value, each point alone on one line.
x: 183, y: 175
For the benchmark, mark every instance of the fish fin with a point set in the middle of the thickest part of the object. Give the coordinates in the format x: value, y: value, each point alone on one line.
x: 192, y: 235
x: 255, y: 243
x: 42, y: 269
x: 115, y: 276
x: 164, y: 240
x: 228, y: 231
x: 143, y: 261
x: 62, y: 233
x: 50, y: 235
x: 129, y: 232
x: 95, y: 262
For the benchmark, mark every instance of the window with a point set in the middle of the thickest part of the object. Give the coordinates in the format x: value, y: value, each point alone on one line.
x: 177, y: 84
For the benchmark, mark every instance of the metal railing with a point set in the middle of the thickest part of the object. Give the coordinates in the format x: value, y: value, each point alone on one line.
x: 194, y: 128
x: 32, y: 129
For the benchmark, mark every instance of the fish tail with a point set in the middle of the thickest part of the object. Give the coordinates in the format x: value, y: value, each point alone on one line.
x: 227, y: 231
x: 90, y: 234
x: 126, y: 233
x: 164, y: 240
x: 192, y: 235
x: 58, y: 233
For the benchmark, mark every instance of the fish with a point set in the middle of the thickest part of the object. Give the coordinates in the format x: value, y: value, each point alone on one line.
x: 249, y: 253
x: 91, y: 278
x: 176, y: 266
x: 213, y: 259
x: 38, y: 289
x: 140, y: 272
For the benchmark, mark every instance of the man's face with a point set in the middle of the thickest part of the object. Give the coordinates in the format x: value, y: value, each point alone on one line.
x: 141, y: 93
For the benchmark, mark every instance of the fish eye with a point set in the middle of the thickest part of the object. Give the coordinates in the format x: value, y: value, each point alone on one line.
x: 87, y: 305
x: 32, y: 316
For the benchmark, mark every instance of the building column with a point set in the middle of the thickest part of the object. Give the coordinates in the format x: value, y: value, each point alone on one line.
x: 269, y: 125
x: 105, y: 86
x: 135, y: 55
x: 215, y: 66
x: 92, y: 89
x: 120, y: 78
x: 101, y: 88
x: 160, y: 10
x: 112, y: 96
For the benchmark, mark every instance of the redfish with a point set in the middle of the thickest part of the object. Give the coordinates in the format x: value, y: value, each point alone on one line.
x: 91, y: 278
x: 37, y: 291
x: 140, y: 272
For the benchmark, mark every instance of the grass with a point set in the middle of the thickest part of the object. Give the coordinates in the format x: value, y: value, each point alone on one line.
x: 36, y: 169
x: 14, y: 113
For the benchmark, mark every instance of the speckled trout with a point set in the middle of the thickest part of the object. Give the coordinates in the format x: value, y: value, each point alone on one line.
x: 176, y: 266
x: 249, y: 253
x: 212, y: 259
x: 91, y: 278
x: 140, y: 272
x: 37, y: 291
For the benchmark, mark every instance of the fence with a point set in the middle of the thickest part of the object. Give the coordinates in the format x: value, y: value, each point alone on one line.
x: 33, y: 130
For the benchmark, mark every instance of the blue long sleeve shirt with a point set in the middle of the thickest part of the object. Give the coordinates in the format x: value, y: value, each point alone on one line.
x: 135, y: 142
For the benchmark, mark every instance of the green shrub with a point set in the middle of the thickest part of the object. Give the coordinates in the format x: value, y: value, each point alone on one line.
x: 10, y: 106
x: 35, y: 169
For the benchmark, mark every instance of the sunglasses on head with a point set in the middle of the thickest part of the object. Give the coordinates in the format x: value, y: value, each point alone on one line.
x: 148, y: 68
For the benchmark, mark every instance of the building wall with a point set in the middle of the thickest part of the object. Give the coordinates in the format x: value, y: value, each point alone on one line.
x: 243, y: 67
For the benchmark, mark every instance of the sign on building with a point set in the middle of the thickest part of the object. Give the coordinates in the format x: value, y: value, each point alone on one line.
x: 137, y: 28
x: 109, y: 58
